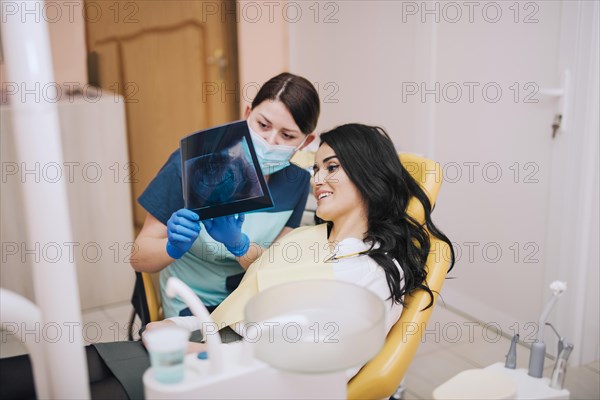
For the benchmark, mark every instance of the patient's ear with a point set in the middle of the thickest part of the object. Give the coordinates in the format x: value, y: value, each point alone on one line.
x: 247, y: 112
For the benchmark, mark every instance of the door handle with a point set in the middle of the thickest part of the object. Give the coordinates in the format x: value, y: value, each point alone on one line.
x: 219, y: 59
x: 563, y: 94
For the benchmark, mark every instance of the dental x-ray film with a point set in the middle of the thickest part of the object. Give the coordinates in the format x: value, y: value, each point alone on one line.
x: 220, y: 172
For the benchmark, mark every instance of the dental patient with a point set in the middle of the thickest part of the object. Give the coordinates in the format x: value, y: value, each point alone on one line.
x: 362, y: 192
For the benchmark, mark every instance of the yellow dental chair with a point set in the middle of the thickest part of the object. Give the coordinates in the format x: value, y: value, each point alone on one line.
x: 381, y: 376
x: 145, y: 301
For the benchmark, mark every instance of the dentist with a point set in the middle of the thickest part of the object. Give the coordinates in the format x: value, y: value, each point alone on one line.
x: 212, y: 255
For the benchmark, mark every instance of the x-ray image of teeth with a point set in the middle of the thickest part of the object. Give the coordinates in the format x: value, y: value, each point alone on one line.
x: 221, y: 173
x: 222, y: 177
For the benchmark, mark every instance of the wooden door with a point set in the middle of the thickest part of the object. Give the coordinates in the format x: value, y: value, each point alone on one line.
x: 174, y: 62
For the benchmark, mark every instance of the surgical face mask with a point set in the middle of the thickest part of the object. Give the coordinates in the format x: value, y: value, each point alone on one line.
x: 272, y: 157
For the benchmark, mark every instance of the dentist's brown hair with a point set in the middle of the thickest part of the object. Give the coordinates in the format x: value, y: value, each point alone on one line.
x: 297, y: 94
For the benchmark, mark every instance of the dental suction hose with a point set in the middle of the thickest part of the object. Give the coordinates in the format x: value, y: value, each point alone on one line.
x: 176, y: 287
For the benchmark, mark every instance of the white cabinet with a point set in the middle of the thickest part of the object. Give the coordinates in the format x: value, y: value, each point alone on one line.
x: 97, y: 173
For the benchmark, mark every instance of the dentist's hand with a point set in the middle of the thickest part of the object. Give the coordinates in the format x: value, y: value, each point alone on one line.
x: 228, y: 230
x: 182, y: 230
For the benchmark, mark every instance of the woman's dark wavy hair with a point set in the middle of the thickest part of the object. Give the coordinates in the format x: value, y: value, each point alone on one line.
x: 368, y: 157
x: 299, y: 96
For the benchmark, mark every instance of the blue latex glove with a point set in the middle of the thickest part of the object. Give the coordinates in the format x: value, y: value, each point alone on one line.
x: 182, y: 230
x: 228, y: 230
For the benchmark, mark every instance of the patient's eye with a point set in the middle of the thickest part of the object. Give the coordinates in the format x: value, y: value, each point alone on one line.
x: 332, y: 168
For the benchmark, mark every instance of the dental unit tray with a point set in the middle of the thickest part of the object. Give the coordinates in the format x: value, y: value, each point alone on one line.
x: 221, y: 174
x: 301, y: 338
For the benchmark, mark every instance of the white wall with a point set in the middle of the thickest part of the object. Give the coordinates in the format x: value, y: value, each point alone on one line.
x: 573, y: 226
x: 590, y: 329
x: 358, y: 54
x: 66, y: 28
x: 262, y: 45
x: 67, y: 37
x: 500, y: 218
x: 373, y: 47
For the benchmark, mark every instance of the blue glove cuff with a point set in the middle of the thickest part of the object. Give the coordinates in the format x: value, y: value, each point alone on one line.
x: 241, y: 248
x: 173, y: 251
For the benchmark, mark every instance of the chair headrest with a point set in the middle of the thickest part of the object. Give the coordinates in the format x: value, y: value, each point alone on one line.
x: 428, y: 175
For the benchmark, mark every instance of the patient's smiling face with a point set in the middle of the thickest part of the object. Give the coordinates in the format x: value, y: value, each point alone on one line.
x: 337, y: 197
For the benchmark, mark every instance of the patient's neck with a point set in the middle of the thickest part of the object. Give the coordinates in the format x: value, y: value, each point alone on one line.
x: 354, y: 226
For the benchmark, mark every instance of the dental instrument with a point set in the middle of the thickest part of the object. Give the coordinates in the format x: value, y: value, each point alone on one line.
x: 561, y: 340
x: 538, y: 349
x: 557, y: 380
x: 559, y: 373
x: 511, y: 357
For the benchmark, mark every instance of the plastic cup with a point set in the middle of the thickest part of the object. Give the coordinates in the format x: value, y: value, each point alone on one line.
x: 167, y: 347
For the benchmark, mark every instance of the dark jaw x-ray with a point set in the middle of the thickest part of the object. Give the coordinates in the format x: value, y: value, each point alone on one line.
x: 220, y: 172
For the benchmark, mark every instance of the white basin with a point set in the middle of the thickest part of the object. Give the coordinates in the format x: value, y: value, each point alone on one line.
x: 315, y: 326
